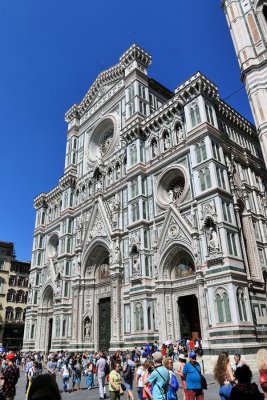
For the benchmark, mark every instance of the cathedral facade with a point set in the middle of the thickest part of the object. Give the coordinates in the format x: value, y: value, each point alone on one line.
x: 157, y: 229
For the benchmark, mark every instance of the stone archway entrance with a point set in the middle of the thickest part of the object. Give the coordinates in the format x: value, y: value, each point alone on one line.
x: 47, y: 317
x: 189, y: 317
x: 98, y: 298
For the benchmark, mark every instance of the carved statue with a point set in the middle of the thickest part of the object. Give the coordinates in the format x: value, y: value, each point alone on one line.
x: 167, y: 142
x: 87, y: 327
x: 213, y: 242
x: 155, y: 150
x: 58, y: 290
x: 136, y: 266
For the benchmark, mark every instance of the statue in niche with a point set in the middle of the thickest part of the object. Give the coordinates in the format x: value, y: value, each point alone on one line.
x: 136, y: 265
x: 117, y: 251
x: 118, y: 172
x: 116, y: 202
x: 58, y: 290
x: 87, y: 327
x: 213, y: 241
x: 155, y: 150
x: 156, y: 274
x: 167, y: 142
x: 135, y: 239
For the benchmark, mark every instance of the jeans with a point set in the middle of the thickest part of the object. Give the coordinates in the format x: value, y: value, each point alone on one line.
x: 140, y: 392
x: 66, y: 385
x: 90, y: 380
x: 101, y: 384
x: 225, y: 391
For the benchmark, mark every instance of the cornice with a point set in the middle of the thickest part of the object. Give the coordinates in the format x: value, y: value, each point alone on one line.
x: 68, y: 180
x: 40, y: 201
x: 53, y: 195
x: 135, y: 53
x: 195, y: 85
x: 235, y: 118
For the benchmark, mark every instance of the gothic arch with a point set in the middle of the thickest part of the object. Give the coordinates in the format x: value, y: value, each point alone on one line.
x: 98, y: 250
x: 48, y: 297
x: 173, y: 258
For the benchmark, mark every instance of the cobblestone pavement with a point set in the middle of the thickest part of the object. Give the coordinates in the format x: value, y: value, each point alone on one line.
x: 210, y: 394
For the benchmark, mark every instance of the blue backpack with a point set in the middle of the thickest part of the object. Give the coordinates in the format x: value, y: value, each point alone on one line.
x: 174, y: 382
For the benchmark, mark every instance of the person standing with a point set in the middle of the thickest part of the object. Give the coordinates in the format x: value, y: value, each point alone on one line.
x: 173, y: 382
x: 51, y: 367
x: 66, y: 373
x: 224, y: 375
x: 238, y: 363
x: 139, y: 381
x: 115, y: 382
x: 10, y: 376
x: 89, y: 375
x: 100, y: 368
x: 192, y: 374
x: 128, y: 376
x: 159, y: 378
x: 182, y: 361
x: 77, y: 371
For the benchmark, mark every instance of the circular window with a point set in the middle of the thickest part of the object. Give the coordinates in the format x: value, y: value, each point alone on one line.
x: 102, y: 141
x: 172, y: 185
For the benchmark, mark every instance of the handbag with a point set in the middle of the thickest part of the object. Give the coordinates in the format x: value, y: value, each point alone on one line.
x: 202, y: 379
x: 123, y: 387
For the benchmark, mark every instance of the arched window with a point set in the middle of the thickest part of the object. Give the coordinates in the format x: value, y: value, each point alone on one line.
x: 241, y: 305
x: 139, y: 317
x: 264, y: 11
x: 2, y: 282
x: 9, y: 313
x: 149, y: 323
x: 18, y: 314
x: 223, y: 306
x: 64, y: 327
x: 35, y: 297
x: 147, y: 272
x: 109, y: 177
x: 39, y: 258
x: 204, y: 178
x: 20, y: 296
x: 201, y: 152
x: 67, y: 268
x: 195, y: 115
x: 66, y: 289
x: 32, y: 331
x: 133, y: 155
x: 57, y: 327
x: 11, y: 295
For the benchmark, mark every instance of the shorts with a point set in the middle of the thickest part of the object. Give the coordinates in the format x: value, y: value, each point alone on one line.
x: 128, y: 385
x: 77, y: 380
x: 194, y: 394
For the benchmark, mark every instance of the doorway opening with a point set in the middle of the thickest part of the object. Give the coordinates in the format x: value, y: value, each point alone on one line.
x: 104, y: 323
x: 189, y: 317
x: 50, y: 329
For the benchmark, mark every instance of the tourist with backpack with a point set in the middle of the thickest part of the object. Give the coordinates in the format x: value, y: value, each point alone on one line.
x: 128, y: 376
x: 159, y: 378
x: 173, y: 381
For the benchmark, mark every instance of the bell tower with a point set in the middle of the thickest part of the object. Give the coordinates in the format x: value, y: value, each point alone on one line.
x: 247, y: 20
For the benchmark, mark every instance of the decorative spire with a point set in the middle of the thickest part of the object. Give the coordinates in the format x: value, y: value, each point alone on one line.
x: 136, y: 53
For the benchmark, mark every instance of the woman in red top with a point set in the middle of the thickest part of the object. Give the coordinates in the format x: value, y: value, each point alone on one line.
x: 164, y: 350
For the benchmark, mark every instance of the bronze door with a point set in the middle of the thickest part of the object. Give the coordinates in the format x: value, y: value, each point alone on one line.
x: 104, y: 324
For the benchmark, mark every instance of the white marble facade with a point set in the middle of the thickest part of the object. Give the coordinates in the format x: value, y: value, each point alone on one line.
x: 157, y: 229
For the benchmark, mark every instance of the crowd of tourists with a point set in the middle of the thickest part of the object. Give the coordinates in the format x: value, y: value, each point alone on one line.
x: 155, y: 374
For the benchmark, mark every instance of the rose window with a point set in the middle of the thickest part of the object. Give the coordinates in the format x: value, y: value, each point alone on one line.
x: 106, y: 141
x: 177, y: 187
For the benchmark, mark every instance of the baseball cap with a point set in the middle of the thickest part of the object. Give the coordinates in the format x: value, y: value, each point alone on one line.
x: 192, y: 354
x: 181, y: 357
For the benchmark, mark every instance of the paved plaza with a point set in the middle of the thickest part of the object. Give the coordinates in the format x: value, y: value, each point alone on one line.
x: 210, y: 394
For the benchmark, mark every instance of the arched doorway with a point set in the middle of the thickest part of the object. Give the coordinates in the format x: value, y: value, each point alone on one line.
x: 47, y: 311
x: 179, y: 268
x: 98, y: 298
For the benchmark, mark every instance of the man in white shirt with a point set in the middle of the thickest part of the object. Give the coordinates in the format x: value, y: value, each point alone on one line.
x: 100, y: 366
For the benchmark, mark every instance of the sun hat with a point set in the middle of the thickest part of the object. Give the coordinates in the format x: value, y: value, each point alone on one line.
x: 181, y: 357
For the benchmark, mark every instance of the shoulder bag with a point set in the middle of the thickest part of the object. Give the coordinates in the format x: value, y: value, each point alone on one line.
x: 202, y: 379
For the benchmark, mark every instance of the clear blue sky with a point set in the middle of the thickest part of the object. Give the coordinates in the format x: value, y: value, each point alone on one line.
x: 51, y: 52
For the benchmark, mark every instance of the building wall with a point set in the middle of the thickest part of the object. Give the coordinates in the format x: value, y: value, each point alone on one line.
x: 157, y: 230
x: 14, y: 276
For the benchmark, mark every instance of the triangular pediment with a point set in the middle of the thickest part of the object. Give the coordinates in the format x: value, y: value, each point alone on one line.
x: 174, y: 229
x: 98, y: 224
x: 101, y: 86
